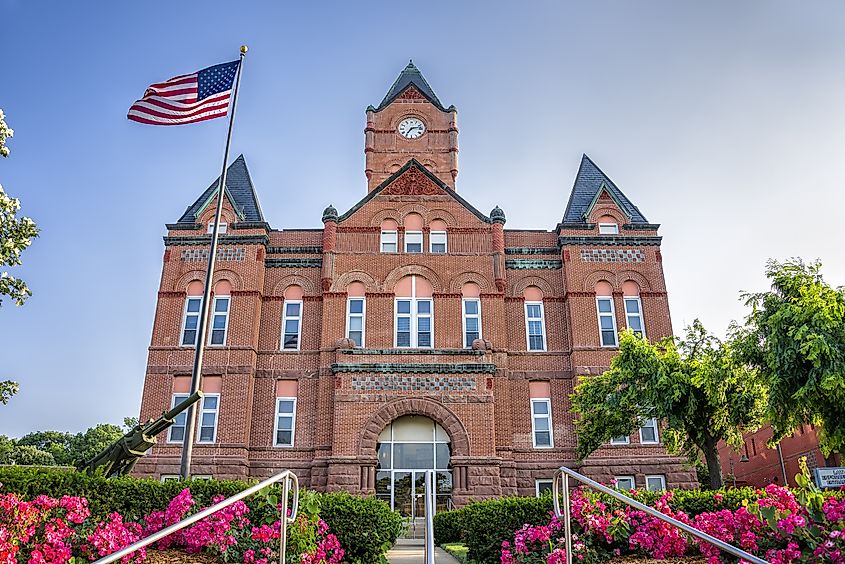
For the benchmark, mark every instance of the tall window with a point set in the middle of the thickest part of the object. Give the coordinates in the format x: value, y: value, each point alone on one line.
x: 472, y: 320
x: 208, y: 418
x: 648, y: 432
x: 541, y: 422
x: 285, y: 422
x: 355, y: 311
x: 413, y: 241
x: 607, y: 321
x: 220, y: 321
x: 292, y: 324
x: 388, y: 241
x: 437, y: 241
x: 177, y: 430
x: 191, y: 320
x: 634, y: 315
x: 414, y: 314
x: 535, y: 326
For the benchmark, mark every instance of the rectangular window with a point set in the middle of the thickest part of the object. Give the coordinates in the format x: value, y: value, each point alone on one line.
x: 170, y: 478
x: 176, y: 434
x: 634, y: 316
x: 223, y: 227
x: 535, y: 326
x: 414, y: 323
x: 291, y: 325
x: 607, y: 321
x: 191, y: 321
x: 625, y: 482
x: 541, y: 487
x: 388, y: 241
x: 437, y: 240
x: 541, y: 423
x: 648, y: 432
x: 220, y: 321
x: 413, y: 241
x: 620, y: 440
x: 655, y: 483
x: 202, y: 477
x: 355, y: 308
x: 608, y: 229
x: 285, y: 422
x: 207, y: 427
x: 472, y: 321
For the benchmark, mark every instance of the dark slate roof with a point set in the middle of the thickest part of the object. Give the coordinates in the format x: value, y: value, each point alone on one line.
x: 588, y: 185
x: 240, y: 191
x: 414, y: 163
x: 410, y: 75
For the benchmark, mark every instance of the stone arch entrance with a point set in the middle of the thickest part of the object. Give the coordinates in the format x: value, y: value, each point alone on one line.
x: 414, y: 406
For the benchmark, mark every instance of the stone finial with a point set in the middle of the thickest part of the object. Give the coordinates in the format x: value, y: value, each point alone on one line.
x: 344, y: 344
x: 330, y: 214
x: 497, y: 215
x: 481, y: 345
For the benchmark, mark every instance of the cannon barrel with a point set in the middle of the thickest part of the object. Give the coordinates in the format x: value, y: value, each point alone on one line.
x: 156, y: 426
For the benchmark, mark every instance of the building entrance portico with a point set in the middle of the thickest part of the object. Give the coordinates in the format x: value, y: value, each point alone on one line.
x: 407, y: 448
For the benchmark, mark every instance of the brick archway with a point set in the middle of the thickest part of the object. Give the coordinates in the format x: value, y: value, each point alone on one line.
x: 414, y: 406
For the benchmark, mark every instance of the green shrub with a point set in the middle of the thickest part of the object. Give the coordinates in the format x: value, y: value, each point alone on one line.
x: 448, y: 526
x: 365, y: 526
x: 485, y: 524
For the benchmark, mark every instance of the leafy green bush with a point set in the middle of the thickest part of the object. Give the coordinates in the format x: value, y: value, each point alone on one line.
x: 486, y: 524
x: 365, y: 526
x: 448, y: 527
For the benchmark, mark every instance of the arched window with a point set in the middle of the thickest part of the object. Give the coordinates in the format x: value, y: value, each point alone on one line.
x: 389, y: 236
x: 535, y: 319
x: 356, y: 311
x: 292, y: 318
x: 437, y: 237
x: 471, y: 307
x: 633, y: 307
x: 541, y: 414
x: 608, y: 225
x: 220, y: 313
x: 414, y: 313
x: 413, y: 223
x: 191, y: 316
x: 606, y: 314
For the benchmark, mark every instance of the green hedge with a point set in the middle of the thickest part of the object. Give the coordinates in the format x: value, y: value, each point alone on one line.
x: 365, y: 527
x: 447, y: 527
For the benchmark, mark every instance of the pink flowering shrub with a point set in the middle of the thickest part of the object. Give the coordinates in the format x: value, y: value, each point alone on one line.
x: 779, y: 526
x: 54, y: 531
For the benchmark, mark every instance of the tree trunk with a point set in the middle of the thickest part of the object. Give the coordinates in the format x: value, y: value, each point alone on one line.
x: 714, y: 466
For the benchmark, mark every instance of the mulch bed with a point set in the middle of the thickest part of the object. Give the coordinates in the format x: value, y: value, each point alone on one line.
x: 178, y: 557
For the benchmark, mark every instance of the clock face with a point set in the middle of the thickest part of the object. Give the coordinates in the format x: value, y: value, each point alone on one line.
x: 411, y: 128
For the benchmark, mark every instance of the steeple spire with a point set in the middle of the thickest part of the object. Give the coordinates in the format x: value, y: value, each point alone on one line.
x: 410, y: 76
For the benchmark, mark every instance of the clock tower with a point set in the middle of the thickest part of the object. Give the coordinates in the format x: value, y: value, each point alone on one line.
x: 410, y: 122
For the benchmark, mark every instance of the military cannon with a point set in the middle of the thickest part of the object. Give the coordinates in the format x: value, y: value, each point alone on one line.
x: 120, y: 457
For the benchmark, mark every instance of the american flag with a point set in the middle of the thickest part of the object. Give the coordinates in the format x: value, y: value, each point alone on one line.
x: 188, y: 98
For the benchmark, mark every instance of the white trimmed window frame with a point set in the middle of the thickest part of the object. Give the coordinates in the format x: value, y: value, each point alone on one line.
x: 465, y: 316
x: 174, y: 399
x: 298, y: 318
x: 414, y: 316
x: 608, y: 229
x: 407, y: 238
x: 362, y: 316
x: 292, y: 416
x: 223, y: 228
x: 620, y: 440
x: 541, y: 481
x: 650, y: 423
x: 629, y: 479
x: 612, y: 316
x: 214, y: 315
x: 389, y: 237
x: 638, y: 315
x: 542, y: 320
x: 202, y: 411
x: 547, y: 416
x: 660, y: 477
x: 170, y: 478
x: 431, y: 242
x: 178, y: 397
x: 185, y: 315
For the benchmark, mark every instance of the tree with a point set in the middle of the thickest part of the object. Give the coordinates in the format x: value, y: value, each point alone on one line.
x: 795, y: 337
x: 60, y: 445
x: 14, y: 453
x: 15, y: 234
x: 697, y: 388
x: 91, y: 443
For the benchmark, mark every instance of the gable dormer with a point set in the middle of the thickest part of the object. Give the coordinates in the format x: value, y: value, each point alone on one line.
x: 411, y: 123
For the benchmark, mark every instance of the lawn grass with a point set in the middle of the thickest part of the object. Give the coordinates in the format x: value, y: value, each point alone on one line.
x: 457, y: 550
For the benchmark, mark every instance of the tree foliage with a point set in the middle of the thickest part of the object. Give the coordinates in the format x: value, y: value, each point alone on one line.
x: 16, y: 234
x: 795, y: 337
x: 697, y: 388
x: 50, y: 448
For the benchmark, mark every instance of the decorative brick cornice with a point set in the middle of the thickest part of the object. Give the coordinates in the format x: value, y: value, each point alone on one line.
x: 490, y: 295
x: 576, y: 226
x: 514, y: 298
x: 553, y: 299
x: 250, y: 225
x: 468, y: 229
x: 421, y: 352
x: 358, y: 229
x: 580, y: 294
x: 525, y: 264
x: 246, y: 293
x: 405, y: 368
x: 380, y: 295
x: 610, y: 241
x: 312, y: 298
x: 166, y: 294
x: 652, y: 294
x: 222, y: 239
x: 183, y: 226
x: 272, y: 298
x: 293, y: 262
x: 532, y: 251
x: 334, y: 294
x: 294, y: 250
x: 446, y: 295
x: 640, y: 226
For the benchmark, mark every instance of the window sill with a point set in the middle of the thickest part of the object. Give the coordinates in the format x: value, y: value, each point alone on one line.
x: 282, y: 446
x: 400, y: 350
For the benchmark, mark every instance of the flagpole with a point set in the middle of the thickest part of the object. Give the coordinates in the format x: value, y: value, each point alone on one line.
x: 196, y: 374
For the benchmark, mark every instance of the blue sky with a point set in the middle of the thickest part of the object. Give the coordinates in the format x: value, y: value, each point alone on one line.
x: 721, y: 120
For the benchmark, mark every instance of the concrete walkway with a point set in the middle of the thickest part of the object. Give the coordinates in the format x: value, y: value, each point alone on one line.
x: 414, y: 553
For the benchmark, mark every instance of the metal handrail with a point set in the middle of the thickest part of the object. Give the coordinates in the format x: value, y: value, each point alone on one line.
x: 565, y: 473
x: 288, y: 476
x: 430, y: 504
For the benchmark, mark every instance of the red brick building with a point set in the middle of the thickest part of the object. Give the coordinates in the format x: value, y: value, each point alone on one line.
x: 411, y: 332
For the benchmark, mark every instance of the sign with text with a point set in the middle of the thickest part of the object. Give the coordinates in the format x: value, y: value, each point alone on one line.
x: 830, y: 477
